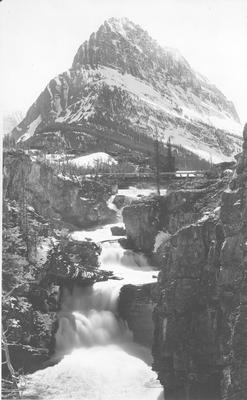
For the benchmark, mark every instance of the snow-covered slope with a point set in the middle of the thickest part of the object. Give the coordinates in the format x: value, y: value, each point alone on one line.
x: 125, y: 87
x: 93, y: 160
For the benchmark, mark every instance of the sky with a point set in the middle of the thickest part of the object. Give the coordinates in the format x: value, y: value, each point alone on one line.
x: 39, y: 38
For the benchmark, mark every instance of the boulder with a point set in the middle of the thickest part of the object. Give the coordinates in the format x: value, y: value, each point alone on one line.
x: 118, y: 231
x: 121, y: 201
x: 135, y: 306
x: 142, y: 222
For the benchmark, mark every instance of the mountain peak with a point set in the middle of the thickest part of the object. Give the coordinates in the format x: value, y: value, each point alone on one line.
x: 121, y: 23
x: 126, y: 46
x: 121, y: 77
x: 123, y: 26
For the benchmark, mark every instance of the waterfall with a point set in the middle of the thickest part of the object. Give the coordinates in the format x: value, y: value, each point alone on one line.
x: 88, y: 315
x: 88, y: 318
x: 132, y: 267
x: 99, y: 358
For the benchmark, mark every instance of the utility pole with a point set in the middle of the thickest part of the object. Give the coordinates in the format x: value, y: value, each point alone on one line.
x: 157, y: 159
x: 24, y: 212
x: 153, y: 126
x: 170, y: 157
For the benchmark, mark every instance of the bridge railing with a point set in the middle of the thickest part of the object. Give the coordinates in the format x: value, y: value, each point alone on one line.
x: 146, y: 175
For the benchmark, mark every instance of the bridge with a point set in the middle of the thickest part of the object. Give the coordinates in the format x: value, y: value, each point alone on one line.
x: 146, y: 176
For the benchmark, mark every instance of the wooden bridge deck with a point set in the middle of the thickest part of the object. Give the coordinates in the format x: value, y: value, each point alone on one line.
x: 147, y: 175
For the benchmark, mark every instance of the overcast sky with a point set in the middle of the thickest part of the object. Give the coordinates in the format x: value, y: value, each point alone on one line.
x: 39, y: 38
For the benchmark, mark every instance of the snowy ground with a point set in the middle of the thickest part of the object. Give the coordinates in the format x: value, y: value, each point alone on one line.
x: 93, y: 160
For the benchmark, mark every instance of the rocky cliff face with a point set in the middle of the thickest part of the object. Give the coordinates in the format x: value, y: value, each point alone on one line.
x: 149, y: 222
x: 233, y: 280
x: 135, y: 306
x: 124, y: 88
x: 186, y: 340
x: 52, y: 195
x: 200, y: 321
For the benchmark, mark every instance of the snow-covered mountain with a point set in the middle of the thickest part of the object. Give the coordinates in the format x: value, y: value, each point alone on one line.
x: 124, y: 88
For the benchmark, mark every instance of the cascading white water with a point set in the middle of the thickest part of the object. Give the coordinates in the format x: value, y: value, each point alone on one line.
x: 88, y: 318
x: 100, y: 361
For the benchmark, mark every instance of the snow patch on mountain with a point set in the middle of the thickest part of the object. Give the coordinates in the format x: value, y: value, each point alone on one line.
x: 213, y: 118
x: 31, y: 129
x: 207, y: 113
x: 191, y: 108
x: 93, y: 160
x: 207, y: 151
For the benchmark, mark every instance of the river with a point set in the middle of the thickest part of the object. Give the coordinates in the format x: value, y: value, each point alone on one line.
x: 99, y: 360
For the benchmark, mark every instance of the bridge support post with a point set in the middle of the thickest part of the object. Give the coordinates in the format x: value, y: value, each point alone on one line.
x: 157, y: 157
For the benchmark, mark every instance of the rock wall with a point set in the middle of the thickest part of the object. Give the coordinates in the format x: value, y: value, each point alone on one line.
x: 135, y: 306
x: 200, y: 341
x: 52, y: 195
x: 145, y: 218
x: 233, y: 282
x: 185, y: 349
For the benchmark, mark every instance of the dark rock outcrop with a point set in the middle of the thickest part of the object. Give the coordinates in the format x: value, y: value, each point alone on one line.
x: 118, y: 231
x: 121, y: 201
x: 185, y: 350
x: 145, y: 218
x: 200, y: 320
x: 53, y: 195
x: 73, y: 263
x: 135, y: 306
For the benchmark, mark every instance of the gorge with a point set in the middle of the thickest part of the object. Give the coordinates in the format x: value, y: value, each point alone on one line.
x: 99, y: 357
x: 199, y: 344
x: 118, y: 292
x: 103, y: 332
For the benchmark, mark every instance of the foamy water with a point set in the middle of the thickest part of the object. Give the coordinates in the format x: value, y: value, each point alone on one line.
x: 135, y: 193
x: 98, y: 373
x: 100, y: 360
x: 132, y: 267
x: 98, y: 235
